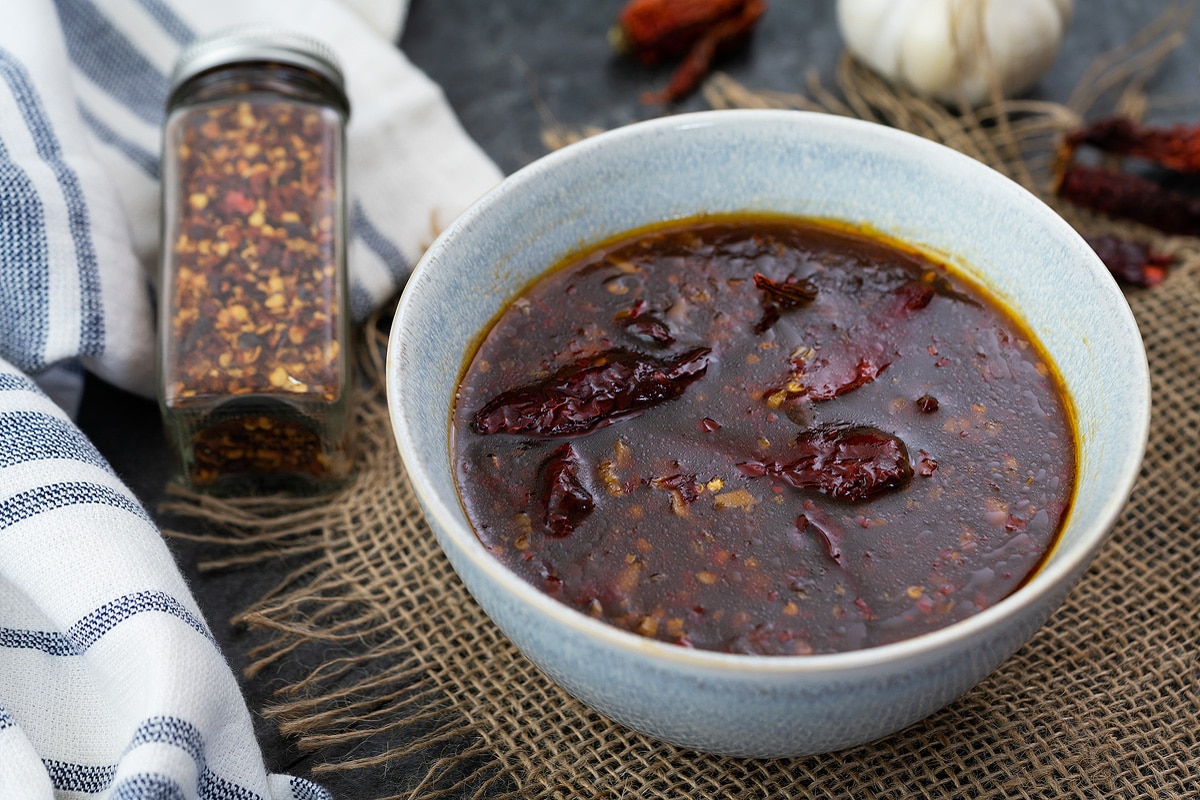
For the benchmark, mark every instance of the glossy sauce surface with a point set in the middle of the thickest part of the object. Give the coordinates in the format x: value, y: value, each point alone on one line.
x: 763, y: 435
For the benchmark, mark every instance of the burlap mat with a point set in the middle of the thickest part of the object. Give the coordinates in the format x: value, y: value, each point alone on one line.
x: 389, y: 661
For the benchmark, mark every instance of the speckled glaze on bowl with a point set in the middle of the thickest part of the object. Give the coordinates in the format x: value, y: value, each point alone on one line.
x: 805, y: 164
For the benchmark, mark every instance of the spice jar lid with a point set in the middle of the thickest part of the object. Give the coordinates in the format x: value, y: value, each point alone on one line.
x: 258, y: 43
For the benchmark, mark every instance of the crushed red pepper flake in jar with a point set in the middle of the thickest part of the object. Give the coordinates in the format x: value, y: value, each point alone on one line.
x: 253, y: 329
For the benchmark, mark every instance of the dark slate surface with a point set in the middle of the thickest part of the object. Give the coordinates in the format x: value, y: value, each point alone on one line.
x: 508, y: 67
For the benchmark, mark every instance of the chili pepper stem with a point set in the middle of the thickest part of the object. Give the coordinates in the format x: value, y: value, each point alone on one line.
x: 618, y: 40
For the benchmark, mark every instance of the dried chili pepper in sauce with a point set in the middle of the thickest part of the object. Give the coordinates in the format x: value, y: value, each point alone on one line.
x: 789, y: 293
x: 854, y: 360
x: 852, y: 462
x: 779, y: 296
x: 253, y: 321
x: 566, y: 499
x: 718, y: 516
x: 582, y: 397
x: 653, y: 31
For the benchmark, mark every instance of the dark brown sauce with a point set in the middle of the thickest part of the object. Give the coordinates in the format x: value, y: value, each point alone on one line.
x: 763, y: 435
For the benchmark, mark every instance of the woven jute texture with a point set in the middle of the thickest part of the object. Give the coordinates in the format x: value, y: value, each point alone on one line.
x: 384, y: 660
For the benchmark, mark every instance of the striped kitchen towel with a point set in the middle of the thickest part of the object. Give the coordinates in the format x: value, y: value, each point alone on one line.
x: 111, y: 683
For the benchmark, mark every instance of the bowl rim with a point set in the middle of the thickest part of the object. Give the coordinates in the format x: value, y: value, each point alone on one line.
x: 1057, y: 569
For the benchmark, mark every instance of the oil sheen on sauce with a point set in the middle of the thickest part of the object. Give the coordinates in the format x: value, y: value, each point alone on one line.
x: 763, y: 435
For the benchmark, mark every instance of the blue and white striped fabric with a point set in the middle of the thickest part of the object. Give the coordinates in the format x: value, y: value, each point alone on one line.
x: 111, y: 683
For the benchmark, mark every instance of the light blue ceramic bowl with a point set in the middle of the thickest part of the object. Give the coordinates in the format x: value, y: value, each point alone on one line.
x: 805, y: 164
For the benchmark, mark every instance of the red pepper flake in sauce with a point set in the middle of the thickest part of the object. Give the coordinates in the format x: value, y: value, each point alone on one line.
x: 798, y: 522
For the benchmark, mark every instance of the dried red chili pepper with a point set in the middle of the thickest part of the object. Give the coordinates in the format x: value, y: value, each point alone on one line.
x: 1175, y: 147
x: 1130, y: 261
x: 649, y: 329
x: 907, y: 298
x: 790, y: 293
x: 653, y: 31
x: 864, y: 354
x: 566, y: 502
x: 583, y: 397
x: 851, y: 462
x: 816, y: 522
x: 843, y: 373
x: 682, y: 483
x: 1121, y: 194
x: 780, y: 295
x: 644, y: 326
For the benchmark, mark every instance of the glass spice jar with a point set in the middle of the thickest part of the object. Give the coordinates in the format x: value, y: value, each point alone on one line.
x: 253, y: 322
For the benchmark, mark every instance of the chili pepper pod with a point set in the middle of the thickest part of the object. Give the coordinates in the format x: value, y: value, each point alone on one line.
x: 1129, y: 261
x: 1129, y: 196
x: 1175, y: 147
x: 253, y: 324
x: 654, y: 31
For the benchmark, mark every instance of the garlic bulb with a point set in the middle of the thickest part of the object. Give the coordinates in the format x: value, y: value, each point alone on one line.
x: 955, y: 50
